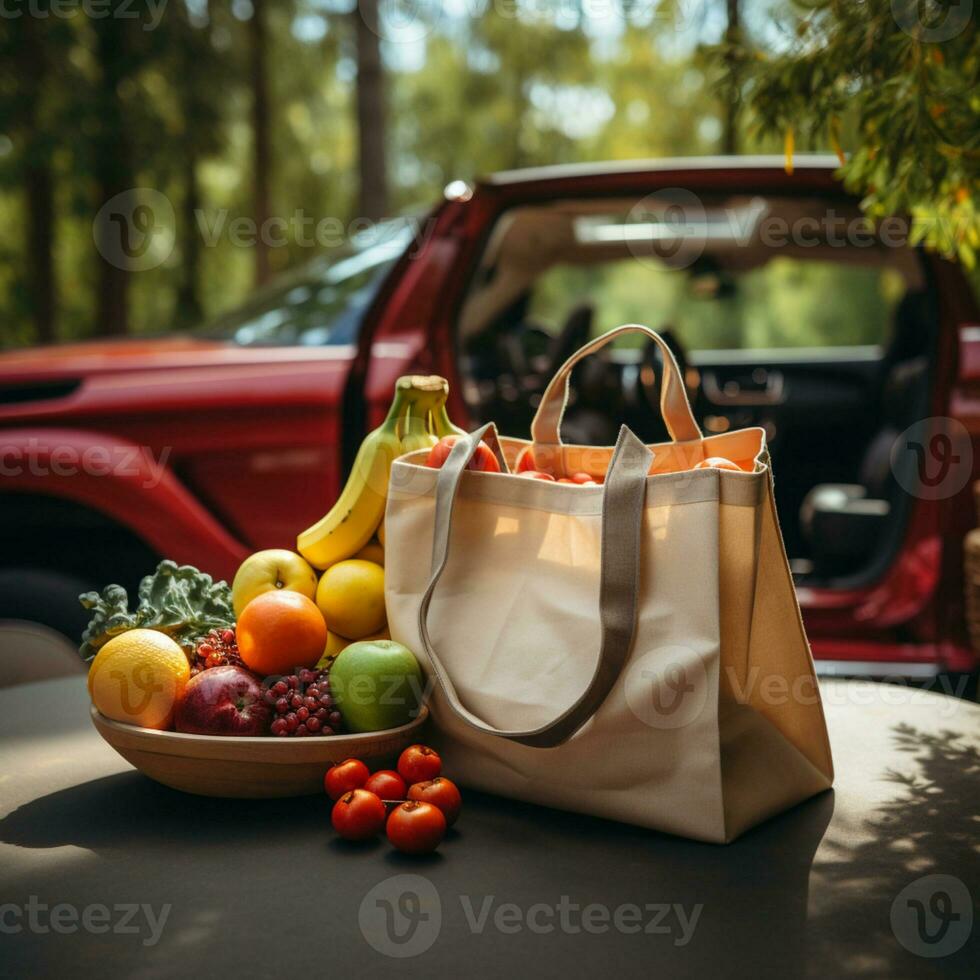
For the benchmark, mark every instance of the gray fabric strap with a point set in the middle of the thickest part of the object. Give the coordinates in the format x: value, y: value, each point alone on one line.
x: 622, y: 522
x: 674, y: 406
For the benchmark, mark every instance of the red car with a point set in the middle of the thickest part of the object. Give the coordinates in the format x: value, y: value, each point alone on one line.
x: 784, y: 308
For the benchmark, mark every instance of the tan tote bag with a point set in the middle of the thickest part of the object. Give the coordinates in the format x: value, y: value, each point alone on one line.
x: 632, y: 650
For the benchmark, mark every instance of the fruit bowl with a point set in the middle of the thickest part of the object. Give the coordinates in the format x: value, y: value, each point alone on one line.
x: 249, y: 767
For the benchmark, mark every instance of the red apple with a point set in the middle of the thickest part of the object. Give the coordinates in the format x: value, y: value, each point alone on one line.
x: 223, y: 701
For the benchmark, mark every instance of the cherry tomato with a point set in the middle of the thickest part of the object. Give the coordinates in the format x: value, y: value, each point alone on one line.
x: 345, y: 776
x: 526, y: 460
x: 419, y: 763
x: 483, y: 459
x: 416, y: 827
x: 387, y: 784
x: 358, y: 815
x: 537, y: 475
x: 718, y: 463
x: 440, y: 792
x: 564, y: 479
x: 581, y: 478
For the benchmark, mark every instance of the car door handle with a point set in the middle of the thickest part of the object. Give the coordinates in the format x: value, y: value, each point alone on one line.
x: 766, y: 388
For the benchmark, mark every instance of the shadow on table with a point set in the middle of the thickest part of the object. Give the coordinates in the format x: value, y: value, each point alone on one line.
x: 765, y: 910
x: 929, y: 827
x: 748, y: 901
x: 126, y: 810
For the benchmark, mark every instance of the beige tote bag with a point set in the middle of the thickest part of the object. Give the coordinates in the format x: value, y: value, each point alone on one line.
x: 632, y: 650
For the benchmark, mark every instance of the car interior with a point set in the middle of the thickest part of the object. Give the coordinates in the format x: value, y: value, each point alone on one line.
x: 783, y: 312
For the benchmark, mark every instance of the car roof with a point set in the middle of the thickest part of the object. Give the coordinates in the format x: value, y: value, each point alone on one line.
x: 826, y: 162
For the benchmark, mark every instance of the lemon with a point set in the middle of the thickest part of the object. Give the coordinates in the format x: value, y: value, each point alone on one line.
x: 137, y: 678
x: 335, y: 643
x: 351, y: 596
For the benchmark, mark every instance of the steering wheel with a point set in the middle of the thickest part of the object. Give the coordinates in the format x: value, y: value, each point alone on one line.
x: 644, y: 392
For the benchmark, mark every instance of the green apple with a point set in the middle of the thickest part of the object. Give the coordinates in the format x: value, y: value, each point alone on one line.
x: 376, y: 684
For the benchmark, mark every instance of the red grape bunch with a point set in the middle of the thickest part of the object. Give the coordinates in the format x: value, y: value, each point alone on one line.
x: 302, y: 704
x: 219, y: 648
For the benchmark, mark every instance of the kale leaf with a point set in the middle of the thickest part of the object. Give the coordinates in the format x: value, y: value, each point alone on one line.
x: 176, y: 599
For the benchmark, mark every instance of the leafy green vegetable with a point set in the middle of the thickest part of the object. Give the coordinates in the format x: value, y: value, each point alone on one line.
x: 176, y: 599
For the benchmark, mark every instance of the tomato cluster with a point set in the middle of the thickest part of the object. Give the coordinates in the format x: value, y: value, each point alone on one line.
x: 425, y: 804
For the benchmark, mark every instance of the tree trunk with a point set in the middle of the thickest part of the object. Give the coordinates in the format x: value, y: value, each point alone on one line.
x: 261, y: 159
x: 371, y: 124
x: 39, y: 185
x: 729, y: 136
x: 189, y: 310
x: 113, y: 176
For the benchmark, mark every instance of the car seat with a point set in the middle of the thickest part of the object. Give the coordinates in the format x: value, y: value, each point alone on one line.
x: 844, y: 523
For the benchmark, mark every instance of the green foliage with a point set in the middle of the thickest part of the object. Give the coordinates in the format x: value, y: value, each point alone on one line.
x: 176, y: 599
x: 785, y: 303
x: 477, y: 87
x: 901, y: 79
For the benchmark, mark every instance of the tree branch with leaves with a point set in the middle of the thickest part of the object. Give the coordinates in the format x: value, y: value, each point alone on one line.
x: 902, y: 79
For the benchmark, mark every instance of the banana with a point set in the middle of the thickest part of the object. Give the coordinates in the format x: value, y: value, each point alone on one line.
x: 419, y: 403
x: 414, y: 429
x: 359, y: 511
x: 354, y: 518
x: 439, y: 420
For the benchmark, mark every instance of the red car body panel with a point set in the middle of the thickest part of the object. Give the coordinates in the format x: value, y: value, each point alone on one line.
x: 254, y: 437
x: 124, y: 481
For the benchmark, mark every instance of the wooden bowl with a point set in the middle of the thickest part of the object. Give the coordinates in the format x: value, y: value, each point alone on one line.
x: 250, y: 767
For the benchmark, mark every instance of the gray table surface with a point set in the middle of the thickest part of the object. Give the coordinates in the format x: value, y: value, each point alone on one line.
x: 264, y: 889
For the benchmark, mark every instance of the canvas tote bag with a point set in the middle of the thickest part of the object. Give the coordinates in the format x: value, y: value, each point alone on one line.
x: 632, y: 650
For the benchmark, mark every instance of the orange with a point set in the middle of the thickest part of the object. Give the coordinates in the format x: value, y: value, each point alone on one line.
x: 280, y: 630
x: 372, y: 551
x: 138, y: 677
x: 718, y: 463
x: 351, y: 596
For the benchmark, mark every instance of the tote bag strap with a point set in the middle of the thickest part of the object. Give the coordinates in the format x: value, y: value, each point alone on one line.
x: 623, y: 499
x: 674, y: 406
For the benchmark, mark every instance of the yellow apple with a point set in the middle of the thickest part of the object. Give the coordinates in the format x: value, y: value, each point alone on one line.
x: 275, y: 568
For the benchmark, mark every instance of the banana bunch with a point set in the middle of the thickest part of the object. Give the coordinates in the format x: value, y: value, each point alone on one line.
x: 416, y: 420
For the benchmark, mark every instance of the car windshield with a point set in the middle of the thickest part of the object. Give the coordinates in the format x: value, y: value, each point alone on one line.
x: 324, y: 301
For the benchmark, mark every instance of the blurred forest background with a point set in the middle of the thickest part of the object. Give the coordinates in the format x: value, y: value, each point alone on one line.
x: 257, y: 108
x: 335, y: 108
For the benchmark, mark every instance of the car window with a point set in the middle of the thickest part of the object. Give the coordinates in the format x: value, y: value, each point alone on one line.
x: 322, y: 303
x: 786, y: 303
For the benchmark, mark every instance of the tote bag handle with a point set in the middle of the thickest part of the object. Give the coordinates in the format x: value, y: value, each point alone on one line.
x: 623, y: 500
x: 674, y: 406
